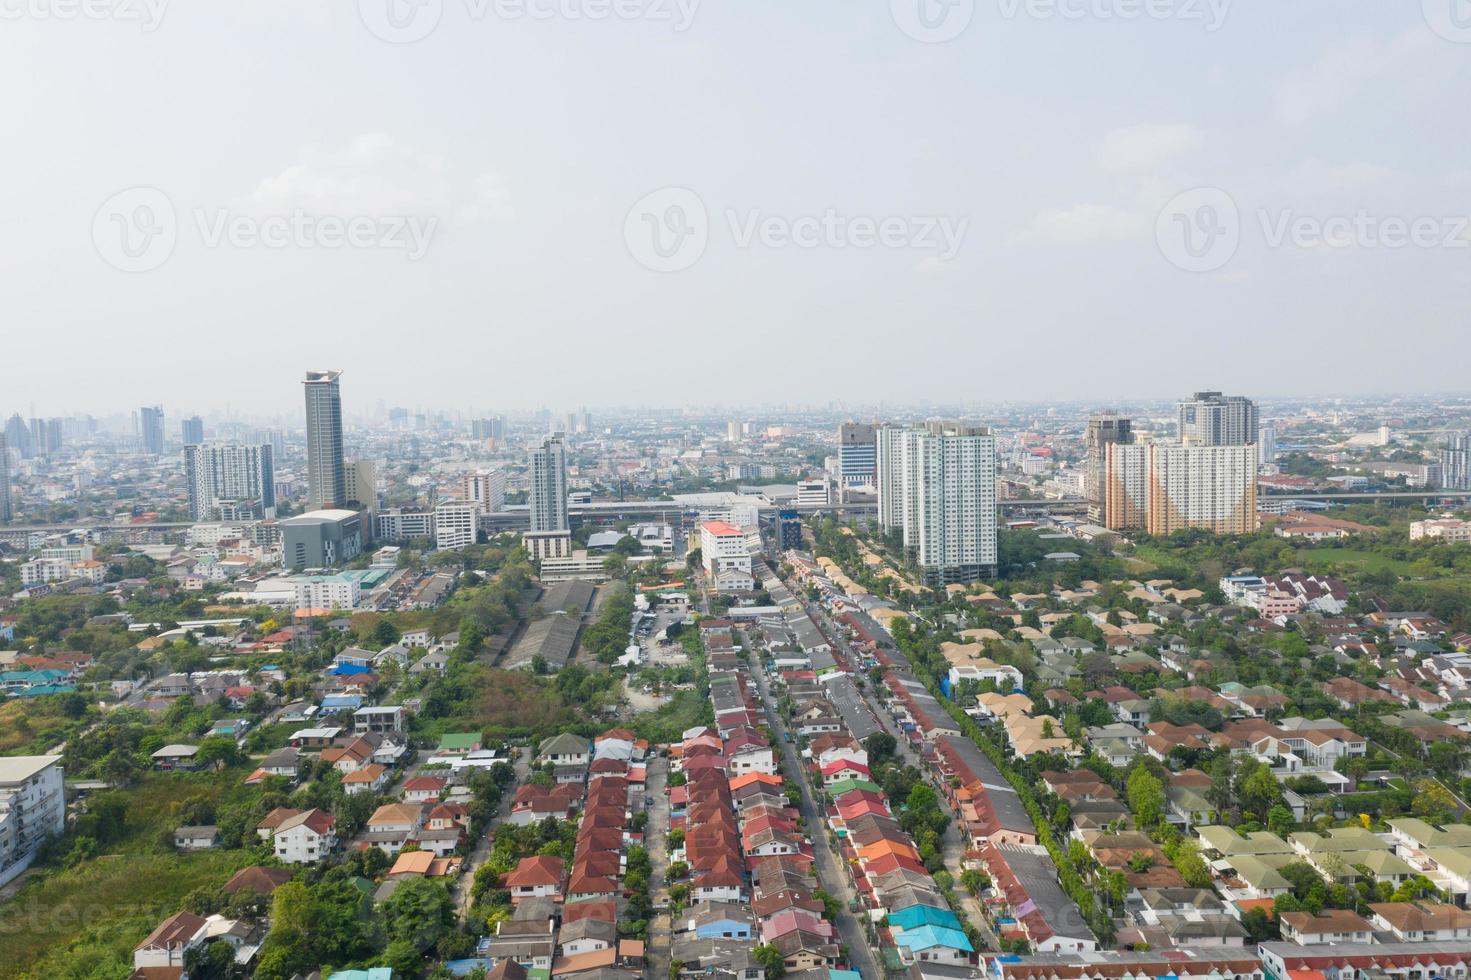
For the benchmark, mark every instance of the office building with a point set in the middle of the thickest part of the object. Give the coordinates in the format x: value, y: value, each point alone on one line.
x: 814, y: 493
x: 321, y: 539
x: 150, y: 430
x: 485, y: 489
x: 398, y: 524
x: 1209, y: 418
x: 857, y: 457
x: 548, y: 491
x: 454, y: 525
x: 541, y: 545
x: 32, y: 809
x: 1104, y: 430
x: 243, y: 477
x: 5, y: 512
x: 937, y: 484
x: 1455, y: 463
x: 192, y: 430
x: 788, y: 531
x: 326, y: 481
x: 726, y: 555
x: 1166, y: 487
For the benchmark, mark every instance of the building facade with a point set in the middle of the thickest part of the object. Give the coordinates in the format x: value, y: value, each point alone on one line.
x: 238, y: 474
x: 548, y: 492
x: 321, y: 539
x: 486, y: 489
x: 857, y: 456
x: 937, y: 484
x: 150, y: 430
x: 5, y: 511
x: 1107, y: 429
x: 326, y: 479
x: 32, y: 808
x: 1209, y: 418
x: 1161, y: 488
x: 454, y: 525
x: 192, y: 430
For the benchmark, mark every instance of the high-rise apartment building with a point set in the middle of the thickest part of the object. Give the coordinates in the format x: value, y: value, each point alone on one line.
x: 326, y: 481
x: 238, y: 475
x: 360, y: 485
x: 192, y: 430
x: 454, y: 525
x: 1104, y: 430
x: 1209, y: 418
x: 19, y: 436
x: 1266, y: 440
x: 937, y: 483
x: 5, y: 511
x: 485, y: 489
x: 150, y: 430
x: 548, y: 492
x: 493, y: 428
x: 1455, y: 462
x: 1161, y: 488
x: 857, y: 456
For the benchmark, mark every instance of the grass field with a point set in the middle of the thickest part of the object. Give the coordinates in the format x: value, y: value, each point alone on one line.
x: 1347, y: 556
x: 83, y: 923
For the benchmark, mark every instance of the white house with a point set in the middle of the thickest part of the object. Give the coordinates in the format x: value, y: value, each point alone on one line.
x: 305, y: 838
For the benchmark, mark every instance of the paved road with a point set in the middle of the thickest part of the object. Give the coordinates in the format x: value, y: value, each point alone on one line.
x: 954, y: 845
x: 477, y: 857
x: 833, y: 878
x: 656, y: 839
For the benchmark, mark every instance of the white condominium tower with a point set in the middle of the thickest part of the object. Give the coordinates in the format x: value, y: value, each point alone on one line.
x: 548, y: 493
x: 232, y: 473
x: 1209, y: 418
x: 937, y: 483
x: 1165, y: 487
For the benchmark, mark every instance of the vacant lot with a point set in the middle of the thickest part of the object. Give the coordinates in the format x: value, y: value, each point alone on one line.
x: 1316, y: 557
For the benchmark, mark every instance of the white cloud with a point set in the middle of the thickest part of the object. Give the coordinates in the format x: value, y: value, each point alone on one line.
x: 1342, y: 71
x: 375, y: 175
x: 1146, y: 148
x: 1316, y: 175
x: 1084, y: 224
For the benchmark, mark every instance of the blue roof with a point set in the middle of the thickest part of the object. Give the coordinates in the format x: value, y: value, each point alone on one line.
x: 926, y: 937
x: 346, y: 669
x: 914, y: 916
x: 372, y: 973
x: 342, y: 701
x: 43, y: 689
x: 843, y: 975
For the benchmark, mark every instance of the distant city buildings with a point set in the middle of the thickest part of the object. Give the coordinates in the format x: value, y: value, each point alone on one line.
x: 486, y: 489
x: 1209, y: 418
x: 937, y: 485
x: 326, y: 480
x: 192, y: 430
x: 150, y: 429
x: 547, y: 496
x: 493, y: 428
x: 1266, y: 440
x: 241, y: 476
x: 5, y: 512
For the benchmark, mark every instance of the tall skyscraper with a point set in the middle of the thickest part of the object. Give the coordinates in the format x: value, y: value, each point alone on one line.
x: 193, y: 430
x: 548, y: 494
x: 241, y: 475
x: 940, y: 481
x: 1455, y: 462
x: 5, y: 511
x: 857, y: 456
x: 1209, y: 418
x: 1266, y: 440
x: 325, y: 478
x: 1161, y: 488
x: 18, y: 435
x: 38, y: 437
x: 150, y: 429
x: 1104, y: 430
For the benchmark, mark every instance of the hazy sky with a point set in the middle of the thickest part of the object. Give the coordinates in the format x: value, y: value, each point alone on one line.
x: 807, y: 200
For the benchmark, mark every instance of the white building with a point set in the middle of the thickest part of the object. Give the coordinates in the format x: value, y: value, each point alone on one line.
x: 814, y: 493
x: 454, y: 525
x: 305, y: 838
x: 1165, y: 487
x: 32, y: 808
x: 486, y: 489
x: 547, y: 497
x: 726, y: 557
x: 325, y: 591
x: 937, y: 484
x: 541, y: 545
x: 397, y: 524
x: 1448, y: 531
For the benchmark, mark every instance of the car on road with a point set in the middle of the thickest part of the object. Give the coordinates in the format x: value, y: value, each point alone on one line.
x: 648, y: 801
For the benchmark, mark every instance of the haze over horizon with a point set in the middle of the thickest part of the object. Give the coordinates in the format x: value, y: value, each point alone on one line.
x: 1031, y: 161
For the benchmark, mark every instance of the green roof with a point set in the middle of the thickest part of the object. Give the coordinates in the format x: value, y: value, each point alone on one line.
x: 462, y: 741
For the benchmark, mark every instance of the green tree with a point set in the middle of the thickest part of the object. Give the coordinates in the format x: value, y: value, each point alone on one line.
x: 1146, y: 797
x: 769, y: 958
